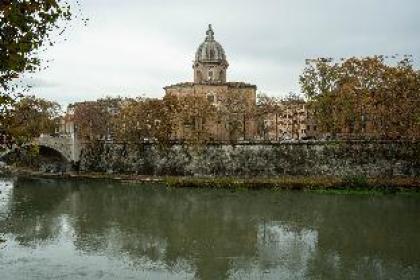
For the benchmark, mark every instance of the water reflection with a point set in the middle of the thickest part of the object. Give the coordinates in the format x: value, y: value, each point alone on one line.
x: 6, y: 189
x: 285, y: 249
x: 80, y: 229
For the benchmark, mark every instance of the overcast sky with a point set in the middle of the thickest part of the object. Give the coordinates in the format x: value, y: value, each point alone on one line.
x: 136, y: 47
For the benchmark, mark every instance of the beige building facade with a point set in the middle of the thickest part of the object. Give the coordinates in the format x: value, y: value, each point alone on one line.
x: 290, y: 121
x: 233, y: 101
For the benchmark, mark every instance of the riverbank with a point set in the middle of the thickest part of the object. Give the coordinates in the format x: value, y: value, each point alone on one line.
x: 331, y: 184
x: 319, y: 184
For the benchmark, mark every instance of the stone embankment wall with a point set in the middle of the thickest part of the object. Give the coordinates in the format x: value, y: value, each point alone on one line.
x: 308, y: 158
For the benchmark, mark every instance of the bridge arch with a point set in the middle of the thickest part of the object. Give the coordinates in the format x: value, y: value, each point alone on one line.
x: 43, y: 151
x: 66, y: 145
x: 51, y: 152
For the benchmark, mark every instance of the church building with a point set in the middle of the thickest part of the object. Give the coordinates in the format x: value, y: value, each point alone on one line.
x: 210, y: 80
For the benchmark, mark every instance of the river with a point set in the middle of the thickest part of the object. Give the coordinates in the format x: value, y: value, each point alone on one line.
x: 75, y: 229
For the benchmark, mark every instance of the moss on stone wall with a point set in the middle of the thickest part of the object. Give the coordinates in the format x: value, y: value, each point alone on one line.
x: 370, y: 159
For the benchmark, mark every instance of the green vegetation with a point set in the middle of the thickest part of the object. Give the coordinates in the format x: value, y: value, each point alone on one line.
x: 320, y: 184
x: 355, y: 181
x: 26, y: 28
x: 345, y: 185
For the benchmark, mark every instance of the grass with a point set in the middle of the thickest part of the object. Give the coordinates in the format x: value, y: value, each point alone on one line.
x: 318, y: 184
x: 337, y: 185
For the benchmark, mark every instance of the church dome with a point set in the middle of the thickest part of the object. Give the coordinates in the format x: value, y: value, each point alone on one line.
x: 210, y: 50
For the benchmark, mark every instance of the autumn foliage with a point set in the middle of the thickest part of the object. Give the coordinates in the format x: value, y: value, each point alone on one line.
x: 188, y: 119
x: 373, y: 97
x: 28, y: 118
x: 354, y: 98
x: 357, y: 98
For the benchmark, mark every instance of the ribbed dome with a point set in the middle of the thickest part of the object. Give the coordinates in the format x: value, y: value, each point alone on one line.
x: 210, y: 50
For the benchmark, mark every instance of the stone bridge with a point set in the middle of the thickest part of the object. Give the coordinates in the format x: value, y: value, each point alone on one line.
x: 66, y: 145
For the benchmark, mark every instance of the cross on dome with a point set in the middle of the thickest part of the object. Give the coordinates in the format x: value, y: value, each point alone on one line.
x: 210, y: 33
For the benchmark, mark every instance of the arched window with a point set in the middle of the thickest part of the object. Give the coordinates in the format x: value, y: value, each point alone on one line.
x: 221, y: 75
x: 212, y: 98
x: 199, y: 75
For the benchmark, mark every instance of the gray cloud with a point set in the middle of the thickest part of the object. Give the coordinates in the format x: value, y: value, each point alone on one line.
x: 36, y: 82
x: 134, y: 47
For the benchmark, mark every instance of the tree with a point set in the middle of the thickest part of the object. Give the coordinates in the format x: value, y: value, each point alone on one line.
x: 30, y: 117
x: 274, y: 112
x: 369, y: 96
x: 171, y: 118
x: 267, y: 106
x: 95, y: 119
x: 236, y: 111
x: 293, y: 106
x: 25, y: 28
x: 142, y: 119
x: 196, y: 114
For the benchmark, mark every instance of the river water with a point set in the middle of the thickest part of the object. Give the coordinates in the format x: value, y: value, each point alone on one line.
x: 57, y: 229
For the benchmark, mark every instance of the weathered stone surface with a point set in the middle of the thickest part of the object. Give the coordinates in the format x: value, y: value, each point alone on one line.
x: 65, y: 145
x: 309, y: 158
